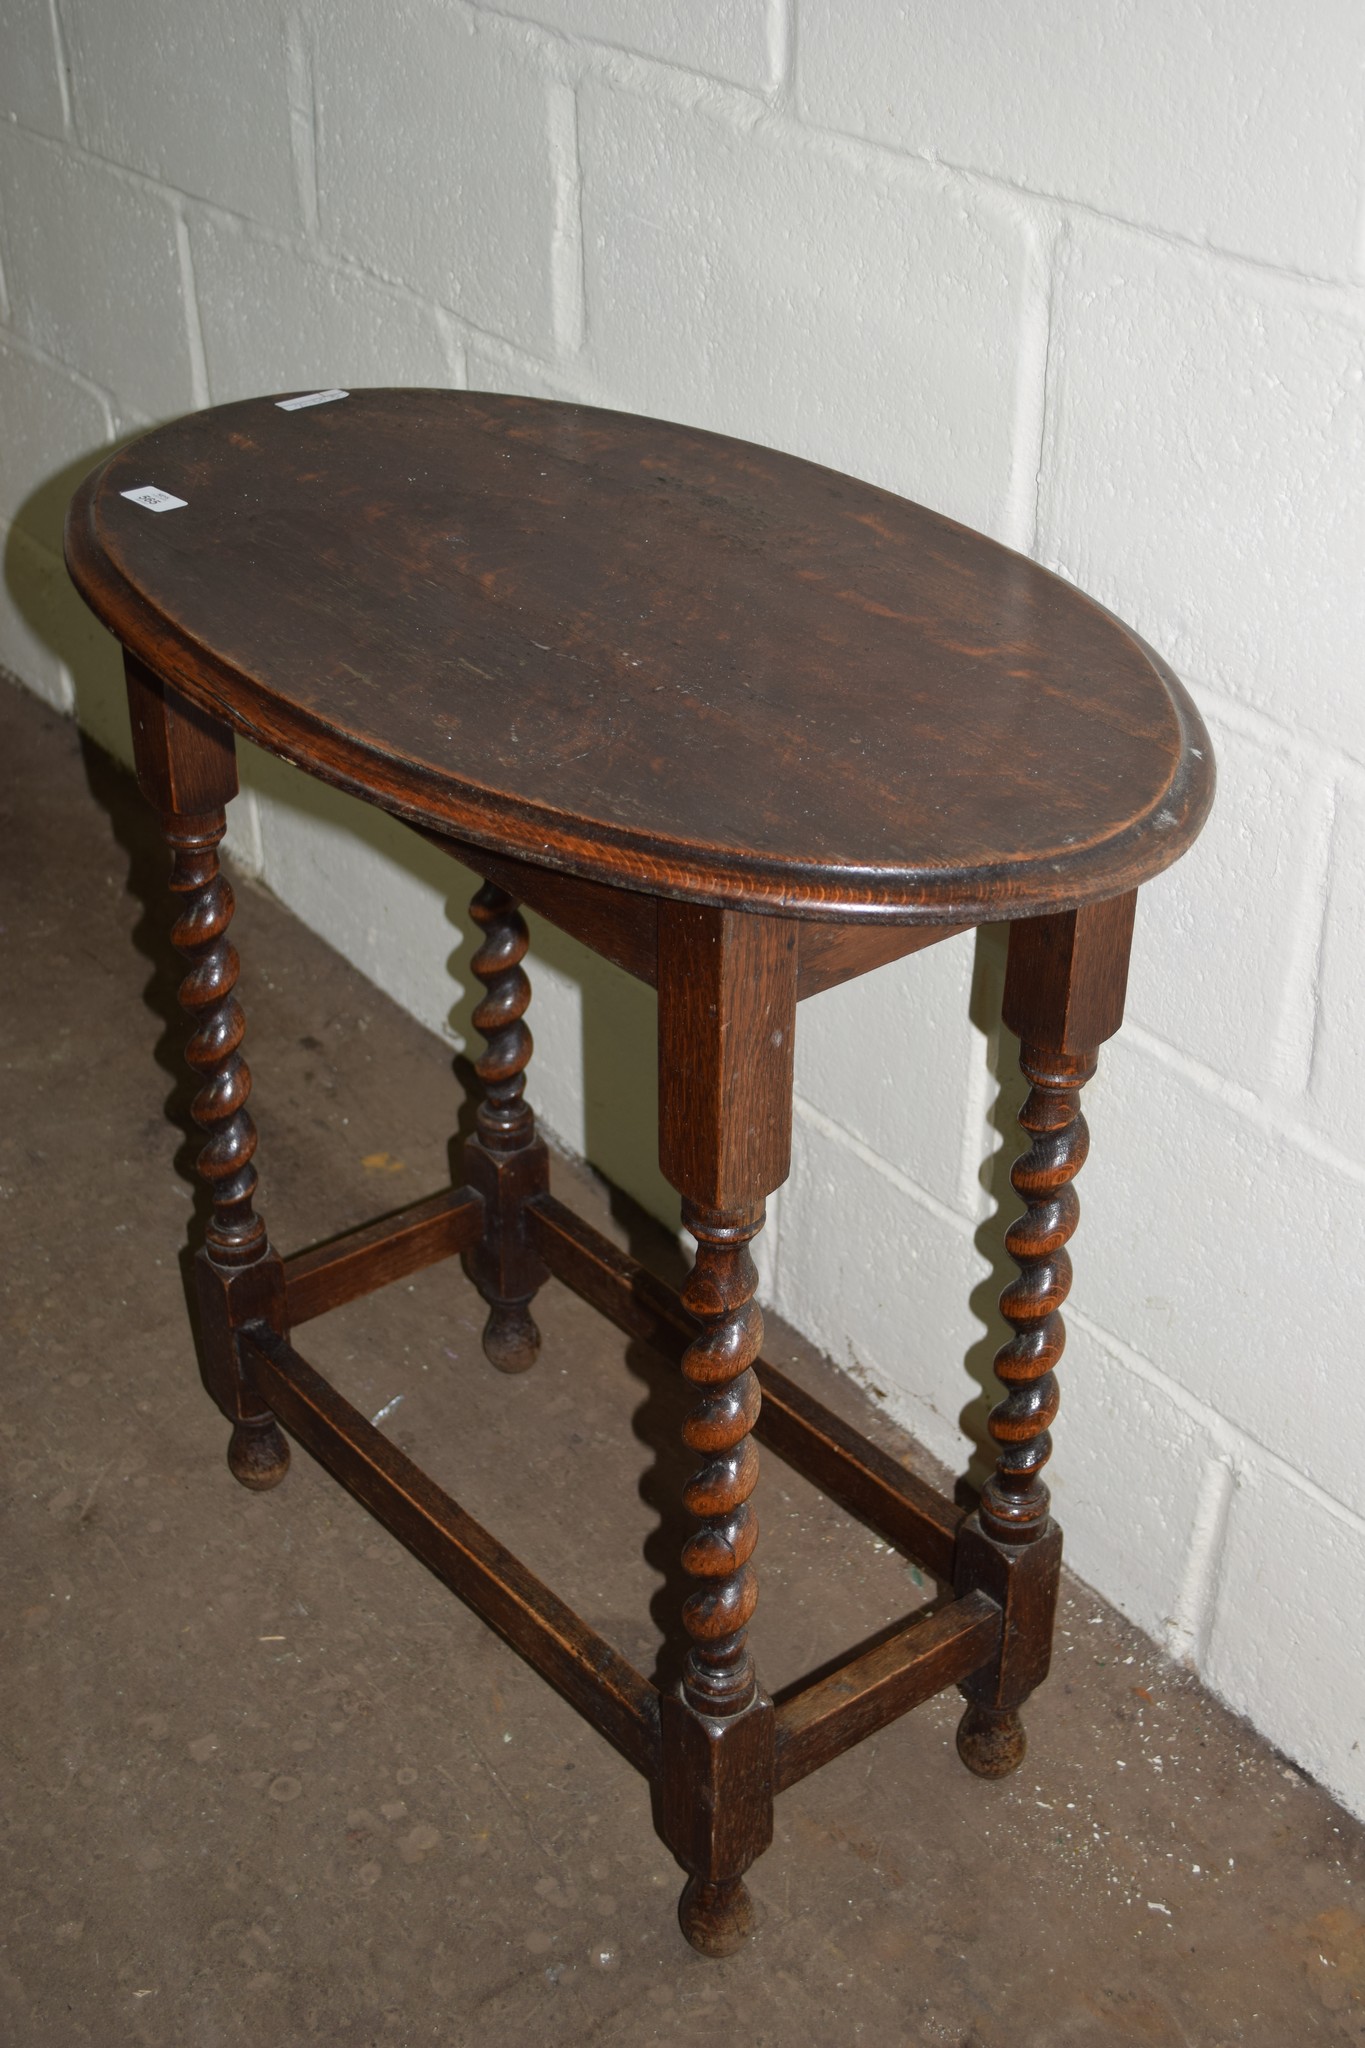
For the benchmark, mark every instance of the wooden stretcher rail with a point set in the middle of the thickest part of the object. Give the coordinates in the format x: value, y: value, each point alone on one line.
x: 809, y: 1436
x: 581, y: 1665
x: 391, y: 1249
x: 931, y: 1652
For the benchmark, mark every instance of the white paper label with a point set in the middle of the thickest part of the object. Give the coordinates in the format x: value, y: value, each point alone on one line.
x: 309, y: 398
x: 153, y: 499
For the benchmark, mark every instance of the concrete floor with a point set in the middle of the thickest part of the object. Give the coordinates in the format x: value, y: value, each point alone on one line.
x: 268, y: 1781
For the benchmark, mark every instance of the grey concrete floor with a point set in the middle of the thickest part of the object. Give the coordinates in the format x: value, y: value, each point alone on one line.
x: 267, y: 1781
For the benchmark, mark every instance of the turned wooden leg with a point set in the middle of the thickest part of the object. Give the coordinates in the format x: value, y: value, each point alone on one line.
x: 1024, y: 1550
x: 187, y: 768
x: 1064, y: 995
x: 719, y: 1682
x: 727, y: 1003
x: 505, y: 1160
x: 719, y: 1676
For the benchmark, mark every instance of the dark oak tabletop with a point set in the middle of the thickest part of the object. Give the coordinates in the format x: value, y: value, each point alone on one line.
x: 648, y: 655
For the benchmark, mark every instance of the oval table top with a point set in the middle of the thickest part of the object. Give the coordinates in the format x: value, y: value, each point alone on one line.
x: 647, y: 655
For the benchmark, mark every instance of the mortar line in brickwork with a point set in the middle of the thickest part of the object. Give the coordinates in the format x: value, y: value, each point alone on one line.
x: 105, y: 399
x: 1189, y: 1628
x: 453, y: 348
x: 966, y: 1226
x: 530, y: 37
x: 568, y: 274
x: 340, y: 263
x: 194, y: 326
x: 1266, y: 1116
x: 983, y: 1077
x: 1295, y: 1034
x: 575, y: 57
x: 1250, y: 722
x: 1344, y: 292
x: 303, y: 122
x: 1232, y: 1440
x: 768, y: 1248
x: 1032, y: 363
x: 976, y: 1125
x: 781, y: 34
x: 171, y: 195
x: 550, y: 377
x: 290, y: 242
x: 63, y: 71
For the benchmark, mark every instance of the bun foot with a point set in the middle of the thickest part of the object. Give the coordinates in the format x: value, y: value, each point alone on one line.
x: 716, y: 1918
x: 511, y: 1340
x: 990, y: 1741
x: 258, y: 1455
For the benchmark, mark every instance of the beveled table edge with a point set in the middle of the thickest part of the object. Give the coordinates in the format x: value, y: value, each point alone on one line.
x: 630, y: 859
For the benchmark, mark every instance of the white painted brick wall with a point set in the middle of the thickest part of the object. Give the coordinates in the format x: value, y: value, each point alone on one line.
x: 1251, y: 885
x: 35, y: 605
x: 882, y: 1278
x: 1336, y: 1101
x: 1121, y: 1415
x: 1193, y: 1264
x: 719, y: 247
x: 1282, y: 1539
x: 194, y: 97
x: 1234, y: 124
x: 1092, y: 278
x: 1204, y: 468
x: 442, y: 148
x: 740, y: 40
x: 903, y: 1094
x: 75, y: 233
x: 32, y: 88
x: 275, y: 318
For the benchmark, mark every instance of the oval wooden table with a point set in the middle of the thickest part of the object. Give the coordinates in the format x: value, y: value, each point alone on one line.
x: 748, y: 728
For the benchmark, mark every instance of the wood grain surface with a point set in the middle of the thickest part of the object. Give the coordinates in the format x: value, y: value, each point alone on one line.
x: 647, y: 655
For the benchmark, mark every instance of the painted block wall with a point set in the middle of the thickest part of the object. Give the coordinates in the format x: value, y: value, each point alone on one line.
x: 1092, y: 279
